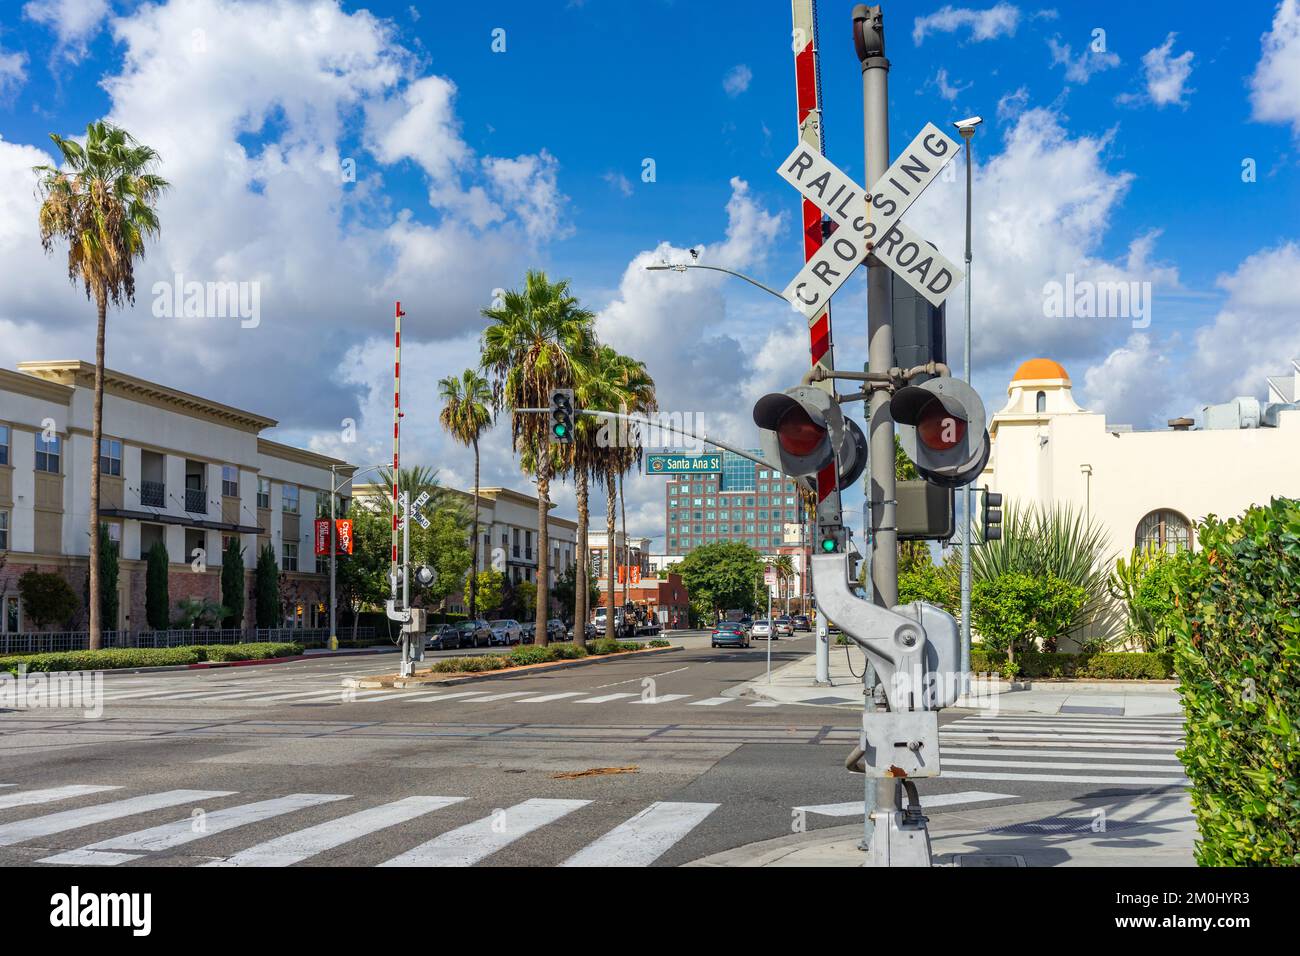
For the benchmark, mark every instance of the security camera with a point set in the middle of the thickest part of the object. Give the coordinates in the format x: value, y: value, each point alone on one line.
x: 969, y: 122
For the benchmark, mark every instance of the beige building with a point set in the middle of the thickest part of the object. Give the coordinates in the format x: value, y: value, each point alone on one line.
x: 176, y: 468
x: 1144, y: 487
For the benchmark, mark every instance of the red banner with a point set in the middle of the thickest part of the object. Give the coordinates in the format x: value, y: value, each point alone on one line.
x: 322, y: 535
x: 342, y: 536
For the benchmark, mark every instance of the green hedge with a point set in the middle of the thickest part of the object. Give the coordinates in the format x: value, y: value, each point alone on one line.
x: 118, y: 658
x: 1237, y: 652
x: 1101, y: 666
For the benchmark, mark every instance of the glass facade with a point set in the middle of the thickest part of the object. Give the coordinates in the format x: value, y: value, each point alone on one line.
x: 735, y: 504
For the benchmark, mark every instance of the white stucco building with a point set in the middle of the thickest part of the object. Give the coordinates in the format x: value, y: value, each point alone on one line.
x: 1144, y: 487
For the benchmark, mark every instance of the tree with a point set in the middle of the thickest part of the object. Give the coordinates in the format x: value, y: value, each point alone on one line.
x: 266, y: 588
x: 529, y: 348
x: 232, y: 584
x: 362, y: 576
x: 784, y: 565
x: 47, y: 597
x: 102, y: 203
x: 564, y: 593
x: 108, y: 577
x: 526, y: 597
x: 1016, y: 611
x: 157, y: 604
x: 199, y: 613
x: 491, y: 590
x: 443, y: 545
x: 466, y: 414
x: 1143, y: 585
x: 722, y: 576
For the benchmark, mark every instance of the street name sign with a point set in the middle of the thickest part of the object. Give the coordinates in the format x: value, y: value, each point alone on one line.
x: 869, y: 224
x: 683, y: 464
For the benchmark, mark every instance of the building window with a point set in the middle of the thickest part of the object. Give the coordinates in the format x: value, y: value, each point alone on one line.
x: 291, y: 555
x: 230, y: 481
x: 289, y: 499
x: 264, y: 492
x: 110, y: 457
x: 47, y: 454
x: 322, y: 564
x: 1164, y: 530
x: 4, y: 531
x: 4, y: 444
x: 1040, y: 402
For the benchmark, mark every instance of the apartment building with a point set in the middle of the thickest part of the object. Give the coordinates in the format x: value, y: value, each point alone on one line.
x: 743, y: 502
x: 175, y: 467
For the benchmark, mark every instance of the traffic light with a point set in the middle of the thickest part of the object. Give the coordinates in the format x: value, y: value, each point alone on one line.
x: 803, y: 429
x: 562, y: 416
x: 992, y: 523
x: 941, y: 428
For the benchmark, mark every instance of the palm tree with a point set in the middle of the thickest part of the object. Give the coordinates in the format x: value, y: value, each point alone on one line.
x: 529, y: 348
x: 637, y: 397
x: 466, y: 414
x: 102, y: 203
x: 784, y: 565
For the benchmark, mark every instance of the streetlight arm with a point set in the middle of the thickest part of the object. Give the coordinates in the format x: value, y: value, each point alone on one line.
x: 682, y: 267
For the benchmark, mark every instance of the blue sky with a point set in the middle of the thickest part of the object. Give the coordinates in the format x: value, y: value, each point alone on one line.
x: 1115, y: 157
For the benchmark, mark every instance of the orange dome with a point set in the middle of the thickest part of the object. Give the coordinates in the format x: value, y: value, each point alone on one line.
x: 1037, y: 368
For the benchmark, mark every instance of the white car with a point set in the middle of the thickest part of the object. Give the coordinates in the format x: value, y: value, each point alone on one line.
x: 506, y: 631
x: 784, y: 627
x: 762, y: 628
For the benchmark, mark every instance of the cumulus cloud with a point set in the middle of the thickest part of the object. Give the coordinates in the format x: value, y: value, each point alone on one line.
x: 998, y: 20
x: 74, y: 22
x: 1134, y: 384
x: 1080, y: 69
x: 737, y: 80
x: 1166, y: 75
x: 13, y: 72
x: 948, y: 90
x: 1275, y: 85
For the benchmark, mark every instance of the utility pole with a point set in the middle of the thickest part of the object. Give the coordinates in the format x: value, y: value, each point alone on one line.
x: 966, y: 128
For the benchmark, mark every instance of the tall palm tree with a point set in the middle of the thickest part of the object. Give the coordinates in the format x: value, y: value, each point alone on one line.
x: 638, y: 397
x: 466, y: 414
x: 102, y: 203
x: 530, y: 347
x: 784, y: 565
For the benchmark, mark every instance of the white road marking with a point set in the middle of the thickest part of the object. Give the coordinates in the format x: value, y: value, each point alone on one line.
x: 636, y: 680
x: 996, y: 741
x: 435, y: 697
x: 710, y: 702
x: 765, y: 703
x: 466, y: 845
x: 1059, y: 778
x: 27, y: 798
x: 548, y: 697
x: 645, y: 837
x: 604, y: 698
x: 20, y: 830
x: 853, y: 808
x: 505, y: 696
x: 1043, y: 735
x: 661, y: 699
x: 1069, y: 728
x: 1057, y: 765
x: 321, y: 694
x: 303, y: 844
x: 945, y: 753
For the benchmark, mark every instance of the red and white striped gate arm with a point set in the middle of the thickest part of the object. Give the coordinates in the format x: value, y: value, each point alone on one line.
x: 397, y: 421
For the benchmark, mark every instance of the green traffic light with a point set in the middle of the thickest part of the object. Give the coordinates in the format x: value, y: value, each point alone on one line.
x: 828, y: 545
x: 560, y: 429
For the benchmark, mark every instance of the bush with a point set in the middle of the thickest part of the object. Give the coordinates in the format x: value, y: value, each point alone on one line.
x: 47, y: 597
x: 1015, y: 611
x: 1143, y: 586
x: 1237, y: 654
x: 1098, y: 666
x: 567, y: 651
x: 470, y: 665
x: 258, y: 651
x: 117, y: 658
x: 613, y: 647
x: 660, y: 642
x: 527, y: 654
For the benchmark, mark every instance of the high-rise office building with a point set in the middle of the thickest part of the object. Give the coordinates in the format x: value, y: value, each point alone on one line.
x: 744, y: 502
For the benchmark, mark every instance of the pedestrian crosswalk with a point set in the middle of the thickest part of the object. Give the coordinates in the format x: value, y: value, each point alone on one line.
x: 188, y: 821
x: 1063, y: 748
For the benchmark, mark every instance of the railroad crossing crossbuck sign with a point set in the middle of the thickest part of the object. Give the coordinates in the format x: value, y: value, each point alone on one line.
x: 870, y: 224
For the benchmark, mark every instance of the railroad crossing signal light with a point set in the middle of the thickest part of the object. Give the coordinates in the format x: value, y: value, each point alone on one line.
x: 562, y: 416
x: 992, y: 516
x: 803, y: 429
x: 941, y: 428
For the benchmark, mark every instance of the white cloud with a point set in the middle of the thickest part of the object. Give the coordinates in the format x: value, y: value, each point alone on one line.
x: 737, y: 80
x: 1080, y: 69
x: 999, y: 20
x: 1166, y: 75
x: 1275, y: 86
x: 74, y: 22
x: 949, y: 91
x: 13, y: 72
x: 619, y: 182
x: 1011, y: 105
x: 527, y: 186
x: 1134, y: 385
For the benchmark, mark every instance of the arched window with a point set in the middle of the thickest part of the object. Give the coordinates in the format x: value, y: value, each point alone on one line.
x: 1164, y: 529
x: 1041, y: 402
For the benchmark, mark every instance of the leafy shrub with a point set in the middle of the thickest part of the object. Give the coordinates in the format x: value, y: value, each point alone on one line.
x: 1143, y: 585
x: 47, y: 597
x: 526, y: 654
x: 613, y: 647
x: 470, y: 665
x: 1237, y: 654
x: 253, y: 651
x: 660, y: 642
x: 124, y: 657
x: 922, y: 581
x: 1096, y: 666
x: 1015, y: 611
x: 566, y: 651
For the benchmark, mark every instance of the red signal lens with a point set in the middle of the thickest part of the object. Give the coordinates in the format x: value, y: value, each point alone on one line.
x: 939, y: 428
x: 798, y: 434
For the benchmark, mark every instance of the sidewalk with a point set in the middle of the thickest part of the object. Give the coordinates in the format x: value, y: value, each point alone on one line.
x: 794, y: 683
x: 1112, y: 832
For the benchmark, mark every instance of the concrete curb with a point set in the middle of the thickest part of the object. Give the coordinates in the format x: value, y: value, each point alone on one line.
x: 370, y: 683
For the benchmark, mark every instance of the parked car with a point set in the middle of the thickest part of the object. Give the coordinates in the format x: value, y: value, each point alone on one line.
x: 801, y: 622
x: 506, y: 631
x: 556, y: 630
x: 444, y: 637
x: 784, y: 627
x: 763, y: 628
x: 527, y: 631
x: 729, y: 634
x: 474, y: 633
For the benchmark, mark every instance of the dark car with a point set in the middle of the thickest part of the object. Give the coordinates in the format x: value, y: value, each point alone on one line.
x: 729, y: 634
x: 473, y: 634
x: 556, y: 630
x: 444, y: 637
x: 527, y: 631
x: 801, y: 622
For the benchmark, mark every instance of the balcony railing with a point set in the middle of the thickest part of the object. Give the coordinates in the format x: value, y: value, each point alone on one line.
x: 153, y: 494
x: 196, y: 501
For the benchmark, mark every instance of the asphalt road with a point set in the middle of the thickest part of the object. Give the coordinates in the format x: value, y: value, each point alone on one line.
x: 280, y: 763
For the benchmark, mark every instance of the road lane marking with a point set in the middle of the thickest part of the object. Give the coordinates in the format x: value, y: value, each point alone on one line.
x: 304, y: 844
x: 604, y: 698
x: 945, y: 753
x: 180, y: 832
x: 645, y: 837
x: 436, y: 697
x: 853, y: 808
x: 661, y: 699
x: 1061, y: 778
x: 1101, y: 728
x: 710, y: 702
x: 505, y: 696
x: 1056, y: 765
x: 637, y: 680
x: 26, y: 798
x: 546, y: 697
x: 1025, y: 735
x: 50, y: 823
x: 466, y: 845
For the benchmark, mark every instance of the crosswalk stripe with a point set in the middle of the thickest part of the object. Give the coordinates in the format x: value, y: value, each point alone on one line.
x: 644, y: 838
x: 303, y: 844
x: 1056, y: 765
x: 604, y: 698
x: 853, y: 808
x: 440, y: 696
x: 1078, y: 718
x: 466, y: 845
x: 1059, y: 778
x: 982, y: 740
x: 765, y: 703
x: 710, y: 702
x: 26, y: 798
x: 1070, y: 728
x: 20, y: 830
x: 135, y: 693
x: 549, y: 697
x: 320, y: 693
x: 179, y: 832
x: 1084, y: 754
x: 661, y: 699
x: 507, y: 694
x: 1044, y: 735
